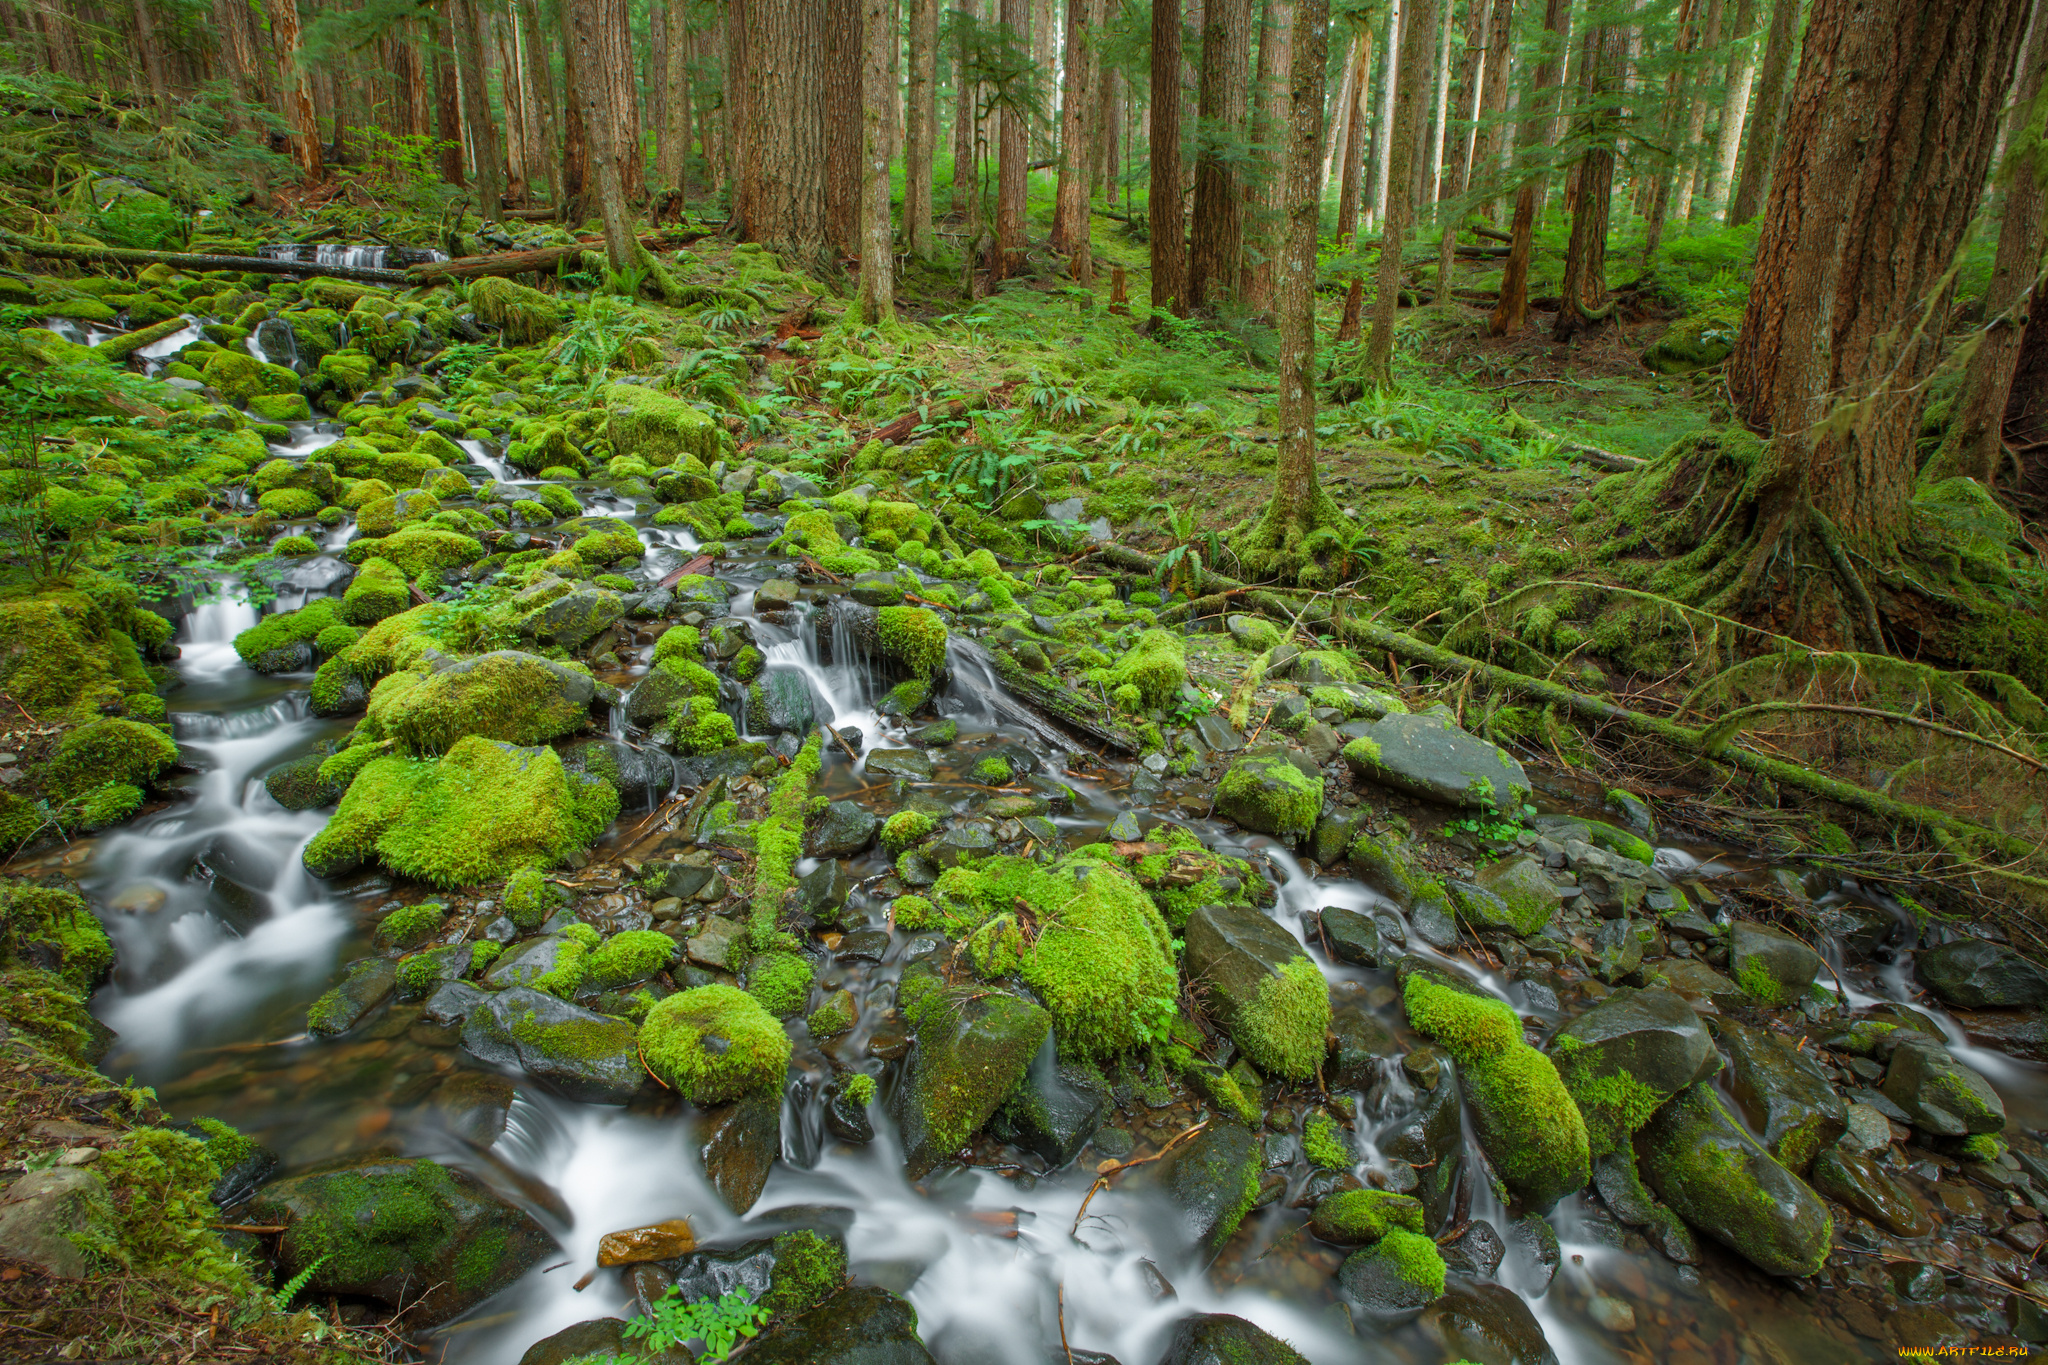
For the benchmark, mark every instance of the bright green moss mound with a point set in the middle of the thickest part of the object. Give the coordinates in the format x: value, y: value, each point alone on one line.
x: 1355, y: 1217
x: 781, y: 982
x: 1157, y: 666
x: 482, y: 812
x: 715, y: 1043
x: 808, y: 1270
x: 267, y: 646
x: 46, y: 922
x: 631, y: 956
x: 411, y: 925
x: 1283, y: 1028
x: 906, y: 829
x: 1526, y: 1118
x: 64, y: 655
x: 778, y: 839
x: 378, y: 590
x: 1323, y: 1142
x: 119, y: 752
x: 508, y: 696
x: 1416, y: 1256
x: 913, y: 638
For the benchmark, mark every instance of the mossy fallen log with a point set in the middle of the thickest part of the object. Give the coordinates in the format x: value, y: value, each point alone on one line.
x: 197, y: 263
x: 1074, y: 711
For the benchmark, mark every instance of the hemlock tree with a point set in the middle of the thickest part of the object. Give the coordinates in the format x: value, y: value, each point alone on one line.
x: 587, y: 20
x: 1538, y: 130
x: 1418, y: 40
x: 1013, y: 153
x: 785, y: 149
x: 1168, y: 216
x: 877, y: 302
x: 1801, y: 518
x: 1219, y: 123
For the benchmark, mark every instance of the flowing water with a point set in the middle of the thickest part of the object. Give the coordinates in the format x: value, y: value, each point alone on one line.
x: 224, y: 941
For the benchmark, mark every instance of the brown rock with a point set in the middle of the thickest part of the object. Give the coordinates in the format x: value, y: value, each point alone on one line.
x: 1853, y: 1179
x: 655, y: 1242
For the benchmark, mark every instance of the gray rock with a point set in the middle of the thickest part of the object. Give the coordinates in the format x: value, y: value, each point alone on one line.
x: 715, y: 945
x: 1336, y: 829
x: 1428, y: 757
x: 1975, y: 975
x: 520, y: 968
x: 40, y: 1212
x: 1533, y: 1255
x: 363, y: 986
x: 589, y: 1057
x: 1218, y: 734
x: 1722, y: 1182
x: 1784, y: 1094
x: 777, y: 594
x: 451, y: 1002
x: 1618, y: 950
x: 1938, y: 1093
x: 297, y: 785
x: 1487, y: 1322
x: 573, y: 621
x: 738, y: 1144
x: 1124, y: 829
x: 1433, y: 923
x: 599, y: 1337
x: 1651, y: 1037
x: 1865, y: 1129
x: 1854, y: 1180
x: 860, y: 1325
x: 1239, y: 954
x: 1211, y: 1180
x: 909, y: 763
x: 1054, y: 1111
x: 1381, y: 1288
x: 1361, y: 1051
x: 643, y: 777
x: 780, y: 702
x: 844, y: 830
x: 1432, y: 1139
x: 1476, y: 1251
x: 1771, y: 967
x: 1350, y: 936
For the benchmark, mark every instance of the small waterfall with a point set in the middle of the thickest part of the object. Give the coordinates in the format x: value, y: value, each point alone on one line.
x: 157, y: 352
x: 306, y: 439
x: 207, y: 640
x: 480, y: 454
x: 363, y: 256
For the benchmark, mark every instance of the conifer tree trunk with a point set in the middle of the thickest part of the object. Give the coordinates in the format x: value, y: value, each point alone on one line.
x: 843, y: 123
x: 297, y: 94
x: 594, y: 101
x: 1393, y: 89
x: 1440, y: 108
x: 1013, y: 159
x: 1418, y: 43
x: 1675, y: 113
x: 152, y: 50
x: 1686, y: 178
x: 876, y: 304
x: 786, y: 47
x: 966, y: 118
x: 1168, y: 218
x: 60, y: 40
x: 540, y: 81
x: 1735, y: 107
x: 1491, y: 137
x: 1770, y: 108
x: 1266, y: 207
x: 1471, y: 72
x: 1333, y: 138
x: 1070, y: 208
x: 1584, y: 291
x: 740, y: 117
x: 1281, y: 542
x: 672, y: 146
x: 921, y: 129
x: 1351, y: 159
x: 488, y: 166
x: 1512, y: 311
x: 447, y: 100
x: 1218, y: 243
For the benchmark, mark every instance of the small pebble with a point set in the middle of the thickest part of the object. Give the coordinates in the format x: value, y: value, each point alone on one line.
x: 1611, y: 1313
x: 79, y: 1156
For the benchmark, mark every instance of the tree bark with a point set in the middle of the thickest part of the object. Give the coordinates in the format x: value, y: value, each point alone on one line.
x: 1267, y: 207
x: 1490, y: 138
x: 60, y: 39
x: 594, y: 101
x: 1762, y: 144
x: 1218, y: 243
x: 1278, y: 542
x: 876, y: 304
x: 1013, y: 156
x: 1077, y: 153
x: 540, y: 81
x: 786, y: 107
x: 741, y: 115
x: 1690, y: 150
x: 1418, y: 42
x: 488, y: 166
x: 1392, y: 91
x: 151, y: 47
x: 1440, y: 108
x: 1333, y: 139
x: 921, y: 129
x: 1974, y: 445
x: 1538, y: 131
x: 673, y: 145
x: 1735, y: 107
x: 966, y: 120
x: 294, y: 90
x: 1167, y: 215
x: 1675, y: 111
x: 447, y: 102
x: 1350, y: 116
x: 843, y: 123
x: 1582, y: 296
x: 1471, y: 74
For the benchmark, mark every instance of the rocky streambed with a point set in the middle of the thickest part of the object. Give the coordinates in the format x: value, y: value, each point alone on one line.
x: 615, y: 864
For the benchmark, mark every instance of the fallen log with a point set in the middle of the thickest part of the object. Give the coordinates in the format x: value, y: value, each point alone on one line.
x: 508, y: 263
x: 1069, y: 710
x: 898, y: 430
x: 193, y: 262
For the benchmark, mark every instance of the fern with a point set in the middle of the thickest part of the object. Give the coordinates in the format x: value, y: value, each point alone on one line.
x: 289, y: 1290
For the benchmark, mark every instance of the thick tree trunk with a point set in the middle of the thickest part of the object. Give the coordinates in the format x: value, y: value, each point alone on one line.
x: 540, y: 81
x: 1888, y: 138
x: 60, y: 40
x: 672, y: 147
x: 615, y: 39
x: 1167, y: 214
x: 1471, y: 73
x: 1974, y: 445
x: 1762, y: 145
x: 1351, y: 159
x: 843, y: 124
x: 921, y: 129
x: 1267, y: 208
x: 1070, y: 208
x: 1735, y: 106
x: 1392, y: 90
x: 1013, y: 159
x: 296, y: 92
x: 1490, y: 142
x: 152, y: 49
x: 1582, y: 296
x: 595, y: 103
x: 1279, y: 543
x: 1440, y: 108
x: 447, y: 100
x: 488, y: 166
x: 1538, y: 131
x: 876, y: 305
x: 966, y: 121
x: 1218, y: 243
x: 786, y: 107
x: 741, y: 118
x: 1418, y: 41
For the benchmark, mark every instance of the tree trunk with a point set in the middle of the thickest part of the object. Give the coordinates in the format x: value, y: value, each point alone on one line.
x: 843, y: 123
x: 1070, y: 209
x: 672, y: 145
x: 1393, y: 89
x: 786, y: 63
x: 1675, y: 111
x: 1537, y: 133
x: 60, y: 39
x: 1440, y: 108
x: 1351, y: 150
x: 1333, y: 140
x: 1770, y: 107
x: 615, y: 39
x: 741, y: 116
x: 876, y: 305
x: 152, y: 50
x: 1582, y: 296
x: 1418, y: 43
x: 1471, y: 73
x: 1168, y: 217
x: 1974, y: 445
x: 1013, y: 158
x: 295, y: 91
x: 1279, y: 543
x: 1735, y: 107
x: 447, y: 102
x: 1888, y: 137
x: 966, y: 119
x: 488, y: 166
x: 1490, y: 138
x: 1219, y: 191
x: 1266, y: 218
x: 540, y: 81
x: 921, y: 129
x: 1690, y: 150
x: 594, y: 101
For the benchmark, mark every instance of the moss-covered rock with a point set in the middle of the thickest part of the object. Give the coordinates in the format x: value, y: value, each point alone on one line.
x: 1214, y: 1180
x: 382, y: 516
x: 588, y: 1057
x: 284, y: 643
x: 1525, y: 1118
x: 107, y: 753
x: 401, y: 1231
x: 912, y: 639
x: 378, y: 590
x: 53, y: 929
x: 1261, y: 986
x: 1695, y: 341
x: 1395, y: 1278
x: 1359, y: 1217
x: 1156, y: 666
x: 1626, y: 1056
x: 659, y: 428
x: 715, y: 1043
x: 1267, y: 790
x: 522, y: 316
x: 972, y: 1048
x: 478, y: 814
x: 65, y: 655
x: 504, y: 695
x: 297, y: 785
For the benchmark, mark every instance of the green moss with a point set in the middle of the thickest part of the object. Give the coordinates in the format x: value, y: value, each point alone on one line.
x: 363, y: 1230
x: 780, y: 981
x: 994, y: 770
x: 522, y: 315
x: 633, y: 955
x: 1282, y: 1029
x: 1416, y: 1257
x: 860, y: 1089
x: 906, y: 829
x: 122, y: 752
x: 160, y: 1185
x: 56, y: 923
x: 715, y: 1043
x: 913, y: 638
x: 1758, y: 983
x: 779, y: 840
x: 411, y: 925
x: 516, y: 698
x: 1323, y: 1142
x: 262, y: 645
x: 482, y: 955
x: 830, y: 1019
x: 62, y: 655
x: 808, y: 1270
x: 1156, y: 666
x: 1356, y: 1217
x: 1985, y: 1147
x: 572, y: 962
x: 1267, y: 793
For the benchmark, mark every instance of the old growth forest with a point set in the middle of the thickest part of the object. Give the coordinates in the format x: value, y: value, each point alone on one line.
x: 1018, y: 682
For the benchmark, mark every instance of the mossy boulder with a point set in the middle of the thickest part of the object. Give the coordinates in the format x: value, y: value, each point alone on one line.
x: 476, y: 815
x: 521, y: 315
x: 378, y: 590
x: 1394, y: 1279
x: 107, y: 753
x: 659, y: 428
x: 365, y: 984
x: 859, y: 1325
x: 1430, y: 757
x: 382, y: 516
x: 1261, y: 986
x: 911, y: 639
x: 1720, y: 1180
x: 402, y: 1231
x: 285, y: 642
x: 504, y: 695
x: 1271, y: 790
x: 1223, y: 1339
x: 240, y: 376
x: 1772, y: 967
x: 1973, y: 974
x: 1695, y: 342
x: 973, y: 1046
x: 1522, y: 889
x: 418, y: 548
x: 715, y: 1043
x: 54, y: 930
x: 588, y: 1057
x: 1523, y: 1115
x: 1156, y: 667
x: 67, y: 655
x: 1352, y: 1218
x: 574, y: 619
x: 297, y: 785
x: 1213, y: 1181
x: 1626, y: 1056
x: 1938, y: 1093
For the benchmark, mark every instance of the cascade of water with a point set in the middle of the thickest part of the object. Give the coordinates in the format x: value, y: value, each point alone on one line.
x: 480, y: 454
x: 207, y: 641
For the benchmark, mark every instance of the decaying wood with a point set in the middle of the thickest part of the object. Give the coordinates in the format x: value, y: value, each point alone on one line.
x: 196, y: 263
x: 509, y: 263
x: 1069, y: 710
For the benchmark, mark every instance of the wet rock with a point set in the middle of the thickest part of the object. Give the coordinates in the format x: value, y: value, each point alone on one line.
x: 1533, y: 1255
x: 1487, y: 1322
x: 400, y: 1230
x: 297, y: 785
x: 643, y: 776
x: 1434, y: 925
x: 1476, y: 1251
x: 1360, y: 1047
x: 1627, y: 1055
x: 40, y: 1212
x: 1222, y: 1339
x: 1617, y: 950
x: 1853, y: 1179
x: 780, y: 703
x: 845, y: 1117
x: 652, y: 1242
x: 973, y: 1046
x: 1611, y: 1313
x: 572, y: 621
x: 739, y: 1143
x: 1531, y: 897
x: 1429, y: 757
x: 474, y: 1105
x: 1262, y: 987
x: 1695, y: 980
x: 860, y: 1325
x: 1213, y: 1180
x: 451, y: 1003
x: 534, y: 960
x: 777, y: 594
x: 1770, y: 967
x: 1784, y: 1094
x: 1937, y: 1092
x: 717, y: 945
x: 844, y: 830
x: 1393, y: 1280
x: 651, y: 699
x: 1432, y: 1140
x: 1270, y: 791
x: 1055, y: 1110
x: 1350, y: 936
x: 1716, y: 1177
x: 364, y: 985
x: 1867, y: 1130
x: 822, y: 891
x: 588, y: 1057
x: 1975, y: 975
x: 909, y: 763
x: 599, y: 1338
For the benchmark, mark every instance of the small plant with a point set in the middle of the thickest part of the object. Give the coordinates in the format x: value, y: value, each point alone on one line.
x: 719, y: 1323
x: 1155, y: 1018
x: 289, y: 1290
